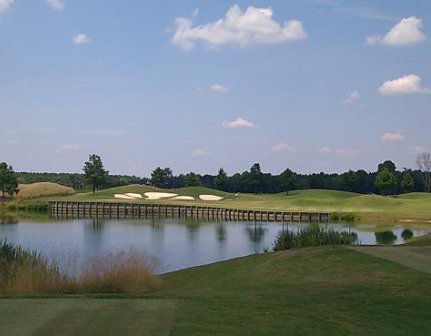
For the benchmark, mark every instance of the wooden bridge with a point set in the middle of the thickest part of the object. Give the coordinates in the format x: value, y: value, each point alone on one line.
x: 73, y: 209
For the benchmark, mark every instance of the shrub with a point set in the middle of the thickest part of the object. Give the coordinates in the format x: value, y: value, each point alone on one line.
x: 24, y: 271
x: 311, y: 236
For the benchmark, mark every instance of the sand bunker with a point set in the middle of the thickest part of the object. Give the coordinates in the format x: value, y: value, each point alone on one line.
x: 183, y: 198
x: 122, y: 196
x: 133, y: 195
x: 210, y: 198
x: 158, y: 195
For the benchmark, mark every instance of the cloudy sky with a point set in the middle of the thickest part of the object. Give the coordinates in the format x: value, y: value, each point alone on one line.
x: 313, y: 85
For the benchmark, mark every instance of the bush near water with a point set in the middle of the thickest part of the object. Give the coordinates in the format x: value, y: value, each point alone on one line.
x: 312, y: 236
x: 26, y: 271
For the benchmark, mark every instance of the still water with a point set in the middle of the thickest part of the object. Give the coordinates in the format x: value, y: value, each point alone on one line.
x: 176, y: 243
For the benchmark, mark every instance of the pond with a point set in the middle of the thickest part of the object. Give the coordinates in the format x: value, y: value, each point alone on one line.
x: 176, y: 243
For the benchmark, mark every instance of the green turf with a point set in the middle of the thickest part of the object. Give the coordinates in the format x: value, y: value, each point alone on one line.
x: 419, y: 241
x: 19, y: 317
x: 317, y: 291
x: 323, y: 291
x: 417, y: 257
x: 414, y: 206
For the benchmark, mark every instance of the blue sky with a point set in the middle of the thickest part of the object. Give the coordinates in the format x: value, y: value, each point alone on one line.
x: 313, y: 85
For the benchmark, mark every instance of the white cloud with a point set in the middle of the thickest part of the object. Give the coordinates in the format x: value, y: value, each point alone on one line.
x: 325, y: 150
x: 338, y: 151
x: 81, y: 39
x: 418, y: 149
x: 200, y: 152
x: 389, y: 136
x: 56, y: 4
x: 346, y: 151
x: 403, y: 85
x: 352, y: 98
x: 238, y: 123
x: 253, y: 26
x: 407, y: 32
x: 219, y: 88
x: 4, y: 6
x: 283, y: 147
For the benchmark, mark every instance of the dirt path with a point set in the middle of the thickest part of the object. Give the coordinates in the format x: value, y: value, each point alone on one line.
x: 417, y: 257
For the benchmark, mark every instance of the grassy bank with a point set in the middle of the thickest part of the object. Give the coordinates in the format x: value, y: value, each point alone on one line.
x: 316, y: 291
x: 413, y: 206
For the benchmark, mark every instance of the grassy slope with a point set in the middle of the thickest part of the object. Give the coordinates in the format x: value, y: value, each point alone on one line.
x: 419, y: 241
x: 325, y: 291
x: 370, y: 207
x: 42, y: 189
x: 19, y: 317
x: 333, y: 291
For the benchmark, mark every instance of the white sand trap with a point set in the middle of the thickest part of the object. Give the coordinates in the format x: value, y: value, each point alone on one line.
x: 158, y: 195
x: 210, y: 198
x: 133, y: 195
x: 183, y: 198
x: 121, y: 196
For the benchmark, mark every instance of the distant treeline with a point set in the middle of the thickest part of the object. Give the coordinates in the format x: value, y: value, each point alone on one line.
x: 385, y: 180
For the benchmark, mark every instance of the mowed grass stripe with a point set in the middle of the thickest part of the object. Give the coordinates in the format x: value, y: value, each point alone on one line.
x: 81, y: 317
x: 418, y: 258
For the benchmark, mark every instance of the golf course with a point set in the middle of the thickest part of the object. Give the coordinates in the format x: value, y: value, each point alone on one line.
x: 412, y: 206
x: 321, y: 291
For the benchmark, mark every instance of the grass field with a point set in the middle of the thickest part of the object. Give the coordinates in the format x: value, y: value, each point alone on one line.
x: 43, y: 189
x: 317, y: 291
x: 413, y: 206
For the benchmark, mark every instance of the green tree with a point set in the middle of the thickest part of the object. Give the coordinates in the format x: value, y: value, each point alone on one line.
x: 221, y: 179
x: 385, y: 181
x: 169, y: 177
x: 159, y: 177
x: 388, y: 164
x: 287, y: 180
x: 8, y: 180
x: 349, y: 180
x: 94, y: 172
x: 255, y: 178
x: 192, y: 180
x: 407, y: 183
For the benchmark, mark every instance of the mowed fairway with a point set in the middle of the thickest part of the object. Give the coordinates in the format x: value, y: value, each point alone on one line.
x: 413, y: 206
x: 316, y: 291
x: 76, y: 316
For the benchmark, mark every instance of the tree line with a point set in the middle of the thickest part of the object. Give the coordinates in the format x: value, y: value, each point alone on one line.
x: 386, y: 180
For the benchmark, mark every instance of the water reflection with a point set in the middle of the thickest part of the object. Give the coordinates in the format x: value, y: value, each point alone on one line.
x: 221, y: 231
x: 407, y: 234
x: 256, y: 234
x: 177, y: 243
x: 8, y: 220
x: 385, y: 237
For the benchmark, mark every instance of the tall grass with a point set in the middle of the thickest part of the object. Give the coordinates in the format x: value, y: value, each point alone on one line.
x: 25, y: 271
x: 311, y: 236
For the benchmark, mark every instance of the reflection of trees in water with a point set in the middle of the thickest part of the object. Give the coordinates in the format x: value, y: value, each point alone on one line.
x: 156, y: 223
x: 407, y: 234
x: 8, y: 220
x: 94, y: 225
x: 192, y: 226
x: 256, y: 233
x: 221, y: 231
x: 385, y: 237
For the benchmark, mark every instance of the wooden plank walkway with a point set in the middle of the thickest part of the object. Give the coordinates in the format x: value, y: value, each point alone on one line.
x: 65, y: 209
